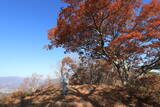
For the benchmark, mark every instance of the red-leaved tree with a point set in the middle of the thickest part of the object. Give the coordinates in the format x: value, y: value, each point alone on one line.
x: 126, y: 33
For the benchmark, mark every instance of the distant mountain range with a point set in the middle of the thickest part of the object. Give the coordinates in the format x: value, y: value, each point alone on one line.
x: 8, y: 84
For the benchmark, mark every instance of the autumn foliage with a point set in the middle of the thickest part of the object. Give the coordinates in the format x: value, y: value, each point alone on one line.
x: 125, y: 33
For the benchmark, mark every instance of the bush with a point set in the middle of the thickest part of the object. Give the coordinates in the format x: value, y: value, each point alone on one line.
x: 146, y: 89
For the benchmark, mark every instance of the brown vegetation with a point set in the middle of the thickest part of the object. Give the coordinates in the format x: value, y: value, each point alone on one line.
x: 88, y: 96
x: 144, y: 92
x: 31, y: 83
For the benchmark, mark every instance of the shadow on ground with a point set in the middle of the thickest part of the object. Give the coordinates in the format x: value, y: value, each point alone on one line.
x: 85, y: 96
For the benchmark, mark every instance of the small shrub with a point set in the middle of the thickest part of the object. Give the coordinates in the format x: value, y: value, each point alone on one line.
x: 146, y: 88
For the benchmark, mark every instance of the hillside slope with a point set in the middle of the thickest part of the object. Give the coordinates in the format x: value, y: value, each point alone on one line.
x: 82, y: 96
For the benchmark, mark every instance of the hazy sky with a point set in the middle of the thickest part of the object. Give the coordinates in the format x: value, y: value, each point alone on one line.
x: 23, y: 33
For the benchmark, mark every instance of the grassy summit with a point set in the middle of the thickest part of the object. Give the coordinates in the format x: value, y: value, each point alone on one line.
x: 82, y: 96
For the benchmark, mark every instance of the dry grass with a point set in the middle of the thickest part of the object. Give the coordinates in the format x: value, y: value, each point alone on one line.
x: 81, y: 96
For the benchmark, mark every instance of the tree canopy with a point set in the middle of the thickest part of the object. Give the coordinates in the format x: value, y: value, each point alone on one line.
x: 126, y: 33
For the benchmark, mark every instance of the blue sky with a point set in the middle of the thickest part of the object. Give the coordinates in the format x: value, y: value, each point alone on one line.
x: 23, y: 33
